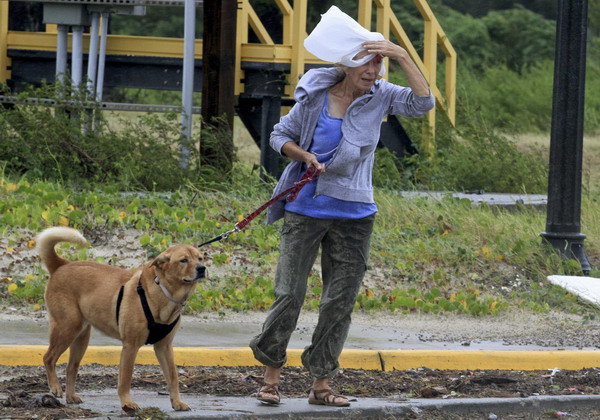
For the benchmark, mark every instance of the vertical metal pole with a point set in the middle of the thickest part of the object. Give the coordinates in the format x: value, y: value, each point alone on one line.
x: 77, y: 56
x: 271, y: 112
x: 93, y: 53
x: 61, y: 53
x: 566, y: 139
x: 102, y: 57
x: 188, y: 81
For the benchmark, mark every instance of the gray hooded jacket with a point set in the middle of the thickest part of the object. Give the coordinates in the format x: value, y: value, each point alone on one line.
x: 349, y: 173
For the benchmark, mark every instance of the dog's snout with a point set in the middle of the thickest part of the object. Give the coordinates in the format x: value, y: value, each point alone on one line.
x: 200, y: 271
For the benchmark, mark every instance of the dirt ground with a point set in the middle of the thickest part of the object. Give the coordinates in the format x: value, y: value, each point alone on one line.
x: 23, y: 391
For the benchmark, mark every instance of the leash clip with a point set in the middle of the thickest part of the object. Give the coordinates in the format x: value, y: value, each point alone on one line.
x: 224, y: 235
x: 229, y: 232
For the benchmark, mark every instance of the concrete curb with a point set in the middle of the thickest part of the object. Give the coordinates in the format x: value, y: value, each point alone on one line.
x: 218, y: 407
x: 385, y: 360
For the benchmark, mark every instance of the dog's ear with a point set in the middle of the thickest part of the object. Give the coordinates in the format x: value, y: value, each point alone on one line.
x: 161, y: 260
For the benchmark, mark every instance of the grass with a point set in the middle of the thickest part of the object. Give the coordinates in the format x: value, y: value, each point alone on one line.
x: 427, y: 255
x: 591, y: 155
x: 247, y: 150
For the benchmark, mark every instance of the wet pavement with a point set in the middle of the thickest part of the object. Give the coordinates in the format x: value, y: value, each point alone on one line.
x: 238, y: 334
x: 218, y: 407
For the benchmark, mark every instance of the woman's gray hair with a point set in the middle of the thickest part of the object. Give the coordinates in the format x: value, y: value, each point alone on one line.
x: 341, y: 70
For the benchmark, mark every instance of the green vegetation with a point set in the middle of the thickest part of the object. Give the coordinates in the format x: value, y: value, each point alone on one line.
x: 427, y: 255
x: 80, y: 147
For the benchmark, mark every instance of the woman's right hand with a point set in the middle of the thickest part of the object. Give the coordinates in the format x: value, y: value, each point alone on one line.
x: 311, y: 160
x: 295, y: 152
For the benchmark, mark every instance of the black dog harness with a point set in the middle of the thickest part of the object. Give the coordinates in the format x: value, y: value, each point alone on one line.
x: 157, y: 331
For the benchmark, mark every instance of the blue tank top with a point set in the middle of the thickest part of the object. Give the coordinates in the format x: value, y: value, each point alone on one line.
x: 328, y: 134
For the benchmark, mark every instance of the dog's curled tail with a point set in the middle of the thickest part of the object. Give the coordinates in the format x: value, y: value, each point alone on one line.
x: 47, y: 240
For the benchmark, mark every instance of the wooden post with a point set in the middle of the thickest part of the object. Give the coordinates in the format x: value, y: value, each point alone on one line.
x: 430, y: 61
x: 298, y: 51
x: 4, y: 60
x: 365, y: 9
x: 384, y: 11
x: 218, y: 78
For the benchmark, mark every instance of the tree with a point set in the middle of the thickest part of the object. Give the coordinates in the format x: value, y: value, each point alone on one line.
x: 470, y: 38
x: 477, y: 8
x: 161, y: 21
x: 594, y: 17
x: 520, y: 37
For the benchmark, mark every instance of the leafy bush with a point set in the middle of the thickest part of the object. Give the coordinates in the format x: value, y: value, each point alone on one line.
x: 480, y: 160
x: 59, y: 143
x: 470, y: 157
x: 470, y: 38
x: 520, y: 37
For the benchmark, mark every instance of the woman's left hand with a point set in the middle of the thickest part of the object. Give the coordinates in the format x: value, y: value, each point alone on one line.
x: 388, y: 49
x: 385, y: 48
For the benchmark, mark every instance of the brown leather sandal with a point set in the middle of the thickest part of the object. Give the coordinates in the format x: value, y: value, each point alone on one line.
x: 269, y: 394
x: 327, y: 397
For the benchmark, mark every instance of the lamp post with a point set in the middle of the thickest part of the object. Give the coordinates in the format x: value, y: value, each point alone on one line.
x: 566, y: 139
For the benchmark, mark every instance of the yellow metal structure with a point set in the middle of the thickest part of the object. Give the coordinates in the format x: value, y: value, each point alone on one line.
x: 4, y: 59
x: 290, y: 51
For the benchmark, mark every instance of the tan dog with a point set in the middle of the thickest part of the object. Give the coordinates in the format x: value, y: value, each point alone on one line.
x: 86, y: 294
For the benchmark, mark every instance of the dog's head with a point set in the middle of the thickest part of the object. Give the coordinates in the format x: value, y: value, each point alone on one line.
x: 180, y: 263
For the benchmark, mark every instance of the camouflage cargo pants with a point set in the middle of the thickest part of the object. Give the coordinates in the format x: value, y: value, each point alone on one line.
x: 344, y: 255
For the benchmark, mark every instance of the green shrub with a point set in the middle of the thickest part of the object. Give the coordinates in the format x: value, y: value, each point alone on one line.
x: 72, y: 144
x: 483, y: 161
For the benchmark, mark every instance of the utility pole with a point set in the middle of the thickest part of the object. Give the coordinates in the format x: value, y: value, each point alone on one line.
x: 563, y: 222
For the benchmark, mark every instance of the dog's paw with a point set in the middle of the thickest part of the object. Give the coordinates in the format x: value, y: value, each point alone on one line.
x: 180, y: 406
x: 130, y: 408
x: 74, y: 399
x: 56, y: 391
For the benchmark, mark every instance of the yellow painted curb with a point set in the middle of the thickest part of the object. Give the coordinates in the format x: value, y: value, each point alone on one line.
x: 486, y: 359
x: 387, y: 360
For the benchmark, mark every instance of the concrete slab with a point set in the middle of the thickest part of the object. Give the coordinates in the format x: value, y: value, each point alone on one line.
x: 238, y: 334
x: 506, y: 200
x: 587, y: 288
x: 220, y: 407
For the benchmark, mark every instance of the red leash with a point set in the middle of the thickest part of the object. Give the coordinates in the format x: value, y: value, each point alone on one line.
x: 310, y: 175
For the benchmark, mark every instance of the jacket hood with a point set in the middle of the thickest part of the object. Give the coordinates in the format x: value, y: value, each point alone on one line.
x: 315, y: 81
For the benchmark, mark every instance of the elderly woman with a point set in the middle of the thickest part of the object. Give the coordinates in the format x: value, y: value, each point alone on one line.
x: 334, y: 127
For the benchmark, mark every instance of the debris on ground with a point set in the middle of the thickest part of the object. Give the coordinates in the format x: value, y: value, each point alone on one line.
x: 24, y: 392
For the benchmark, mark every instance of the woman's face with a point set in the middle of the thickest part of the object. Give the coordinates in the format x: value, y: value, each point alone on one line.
x: 363, y: 77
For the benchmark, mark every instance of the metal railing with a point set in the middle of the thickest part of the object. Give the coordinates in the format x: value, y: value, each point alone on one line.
x: 107, y: 106
x: 292, y: 51
x: 175, y: 3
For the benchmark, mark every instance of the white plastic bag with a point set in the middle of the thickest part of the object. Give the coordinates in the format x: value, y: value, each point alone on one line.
x: 337, y: 38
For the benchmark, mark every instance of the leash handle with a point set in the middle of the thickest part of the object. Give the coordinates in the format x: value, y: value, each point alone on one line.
x: 292, y: 193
